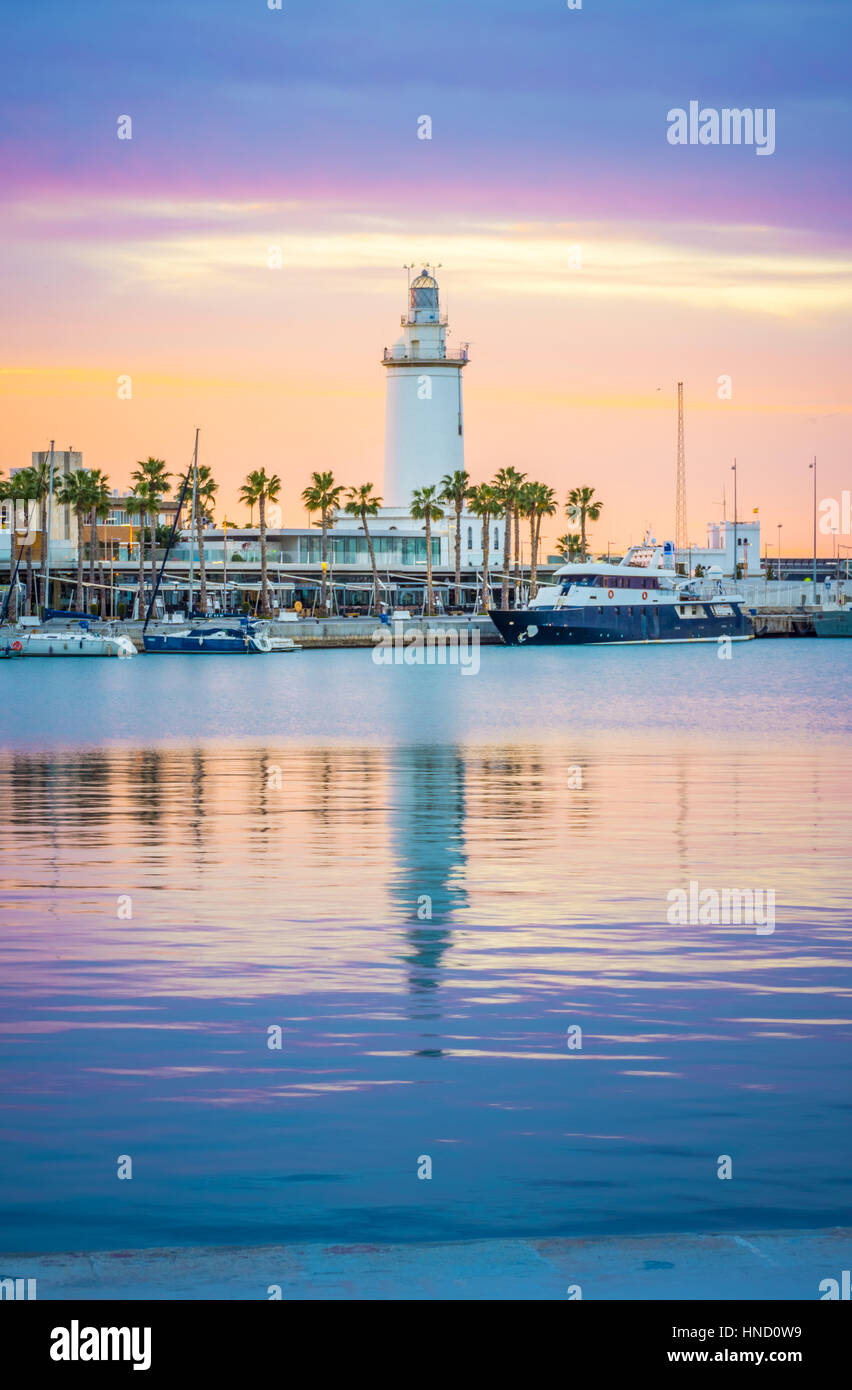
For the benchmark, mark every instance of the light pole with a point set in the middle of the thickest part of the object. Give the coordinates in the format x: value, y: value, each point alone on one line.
x: 780, y: 524
x: 835, y: 531
x: 734, y: 471
x: 813, y: 466
x: 46, y: 539
x: 224, y: 564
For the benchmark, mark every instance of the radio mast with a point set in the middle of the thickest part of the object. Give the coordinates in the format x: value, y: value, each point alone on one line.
x: 681, y: 541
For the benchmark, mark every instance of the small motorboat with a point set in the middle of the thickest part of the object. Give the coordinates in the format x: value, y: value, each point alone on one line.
x: 283, y: 644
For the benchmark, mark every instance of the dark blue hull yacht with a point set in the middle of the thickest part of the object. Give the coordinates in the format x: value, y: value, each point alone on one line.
x: 637, y: 601
x: 209, y: 641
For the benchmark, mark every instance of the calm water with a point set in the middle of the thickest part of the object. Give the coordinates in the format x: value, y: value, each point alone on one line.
x: 274, y: 825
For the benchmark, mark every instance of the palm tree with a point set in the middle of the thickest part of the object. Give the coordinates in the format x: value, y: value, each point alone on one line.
x: 455, y: 488
x: 25, y: 486
x: 484, y: 504
x: 101, y: 512
x: 11, y: 493
x: 518, y: 479
x: 6, y: 496
x: 323, y: 496
x: 424, y: 507
x: 137, y: 505
x: 99, y: 507
x: 362, y: 504
x: 41, y: 477
x: 570, y: 547
x: 99, y: 496
x: 538, y: 500
x: 8, y: 608
x: 506, y: 485
x: 261, y: 488
x: 75, y: 491
x: 16, y: 490
x: 151, y: 475
x: 581, y: 507
x: 205, y: 497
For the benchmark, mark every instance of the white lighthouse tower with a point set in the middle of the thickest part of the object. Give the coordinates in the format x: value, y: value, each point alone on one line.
x: 424, y: 423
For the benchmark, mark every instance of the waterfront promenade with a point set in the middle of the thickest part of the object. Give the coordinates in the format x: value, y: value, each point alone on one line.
x: 772, y: 1266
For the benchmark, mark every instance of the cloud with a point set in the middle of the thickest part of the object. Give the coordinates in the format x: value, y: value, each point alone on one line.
x: 179, y: 247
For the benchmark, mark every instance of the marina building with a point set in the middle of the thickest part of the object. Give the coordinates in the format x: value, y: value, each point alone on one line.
x: 729, y: 545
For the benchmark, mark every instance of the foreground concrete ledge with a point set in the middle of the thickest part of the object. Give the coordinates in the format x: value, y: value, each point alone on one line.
x: 768, y: 1265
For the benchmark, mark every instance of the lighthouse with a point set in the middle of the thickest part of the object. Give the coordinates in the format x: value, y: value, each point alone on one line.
x: 424, y: 420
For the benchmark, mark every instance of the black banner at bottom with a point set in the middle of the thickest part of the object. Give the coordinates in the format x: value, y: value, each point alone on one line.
x: 162, y: 1339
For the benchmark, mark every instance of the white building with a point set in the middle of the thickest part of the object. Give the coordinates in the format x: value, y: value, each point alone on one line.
x: 723, y: 539
x: 25, y: 519
x: 424, y: 428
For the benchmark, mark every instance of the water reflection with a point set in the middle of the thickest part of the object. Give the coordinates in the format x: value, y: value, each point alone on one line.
x: 424, y: 835
x: 288, y: 884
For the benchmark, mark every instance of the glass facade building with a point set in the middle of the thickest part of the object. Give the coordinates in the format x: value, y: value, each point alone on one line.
x: 342, y: 549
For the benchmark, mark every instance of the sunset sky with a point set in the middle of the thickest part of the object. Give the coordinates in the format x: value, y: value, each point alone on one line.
x: 297, y: 128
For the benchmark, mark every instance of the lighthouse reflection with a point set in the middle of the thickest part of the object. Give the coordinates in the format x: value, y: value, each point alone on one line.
x: 427, y: 886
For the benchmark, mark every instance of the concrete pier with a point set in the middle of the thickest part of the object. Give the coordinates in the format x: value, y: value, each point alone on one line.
x: 351, y: 632
x: 768, y: 1265
x: 779, y: 622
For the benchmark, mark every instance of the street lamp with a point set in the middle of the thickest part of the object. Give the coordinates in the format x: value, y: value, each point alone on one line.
x: 734, y: 471
x: 813, y: 466
x: 780, y: 524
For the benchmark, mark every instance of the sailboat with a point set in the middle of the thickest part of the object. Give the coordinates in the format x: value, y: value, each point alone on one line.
x: 245, y: 637
x: 63, y: 639
x: 210, y: 639
x: 61, y: 636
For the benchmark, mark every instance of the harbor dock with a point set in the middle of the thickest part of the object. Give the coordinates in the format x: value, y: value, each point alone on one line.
x: 326, y: 633
x: 338, y: 632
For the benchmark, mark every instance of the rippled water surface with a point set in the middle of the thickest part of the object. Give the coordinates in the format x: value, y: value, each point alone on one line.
x: 198, y: 850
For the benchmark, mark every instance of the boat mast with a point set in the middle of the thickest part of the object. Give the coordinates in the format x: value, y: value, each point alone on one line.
x: 46, y: 539
x: 192, y: 520
x: 170, y: 542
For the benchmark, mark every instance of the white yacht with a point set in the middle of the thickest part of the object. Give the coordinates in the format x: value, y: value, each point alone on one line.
x: 640, y: 600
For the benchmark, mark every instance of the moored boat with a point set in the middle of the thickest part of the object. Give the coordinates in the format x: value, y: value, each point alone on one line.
x: 209, y: 637
x: 638, y: 601
x: 210, y: 640
x: 834, y: 622
x: 63, y: 640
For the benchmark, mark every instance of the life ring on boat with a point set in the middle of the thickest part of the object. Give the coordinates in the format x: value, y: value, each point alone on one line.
x: 610, y: 593
x: 644, y: 593
x: 17, y: 646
